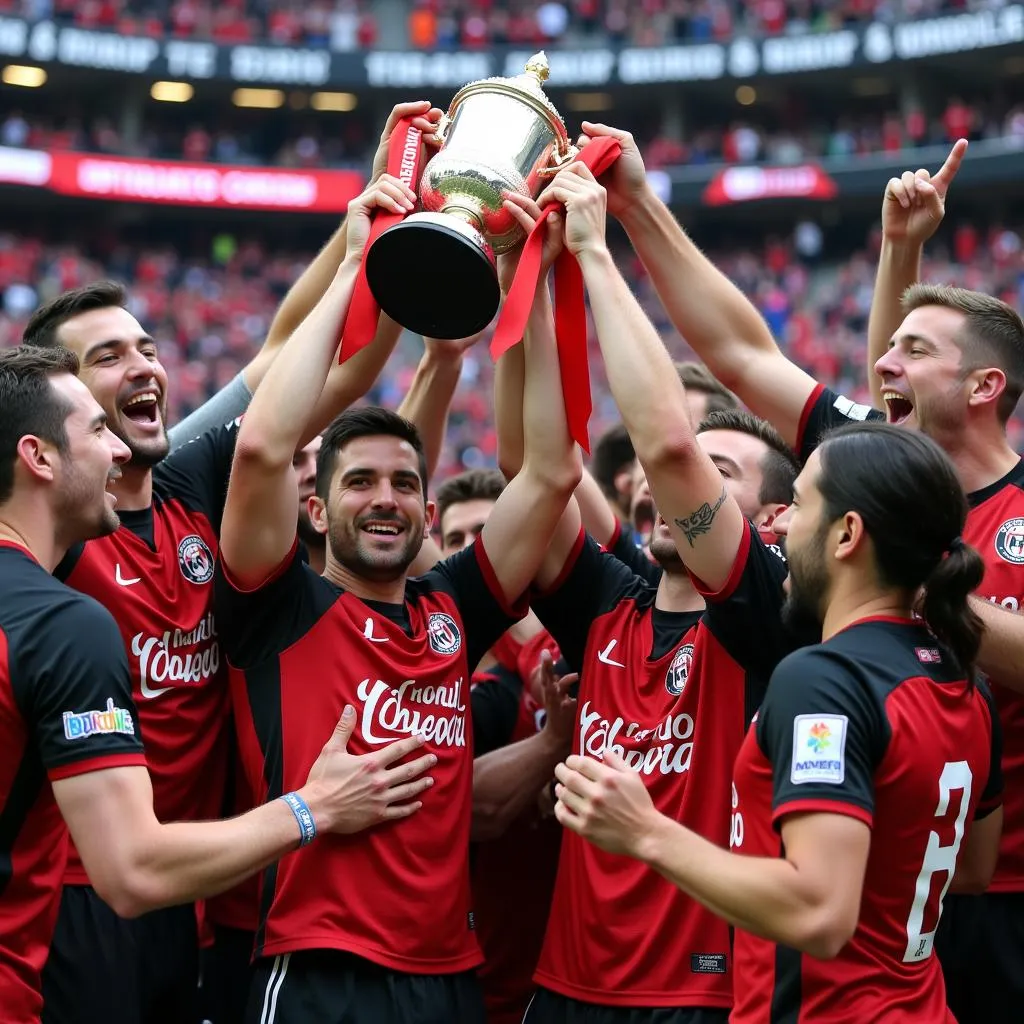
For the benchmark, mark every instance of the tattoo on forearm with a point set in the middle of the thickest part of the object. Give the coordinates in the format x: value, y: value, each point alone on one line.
x: 699, y: 523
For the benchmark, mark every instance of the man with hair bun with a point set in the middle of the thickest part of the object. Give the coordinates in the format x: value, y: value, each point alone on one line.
x: 869, y: 782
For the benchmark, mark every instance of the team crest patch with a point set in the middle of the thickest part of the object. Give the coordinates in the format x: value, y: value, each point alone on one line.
x: 195, y: 559
x: 1010, y: 541
x: 443, y: 633
x: 679, y: 670
x: 819, y: 749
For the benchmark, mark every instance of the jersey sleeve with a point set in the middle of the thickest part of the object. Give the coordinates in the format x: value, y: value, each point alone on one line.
x: 825, y: 410
x: 468, y: 577
x: 624, y: 548
x: 824, y: 736
x: 745, y: 615
x: 80, y: 708
x: 198, y: 471
x: 494, y: 699
x: 257, y: 624
x: 592, y: 583
x: 992, y: 795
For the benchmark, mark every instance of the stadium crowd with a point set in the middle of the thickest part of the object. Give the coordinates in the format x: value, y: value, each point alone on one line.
x: 212, y: 309
x: 722, y: 727
x: 433, y: 24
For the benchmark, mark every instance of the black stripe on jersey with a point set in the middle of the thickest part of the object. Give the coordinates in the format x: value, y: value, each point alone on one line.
x: 786, y: 994
x: 25, y: 789
x: 263, y: 687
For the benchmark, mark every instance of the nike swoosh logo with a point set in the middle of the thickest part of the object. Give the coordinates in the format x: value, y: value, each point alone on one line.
x: 606, y: 655
x: 368, y: 633
x: 122, y: 581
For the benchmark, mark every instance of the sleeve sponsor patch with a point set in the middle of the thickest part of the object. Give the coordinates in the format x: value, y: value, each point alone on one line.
x: 819, y: 749
x: 851, y: 410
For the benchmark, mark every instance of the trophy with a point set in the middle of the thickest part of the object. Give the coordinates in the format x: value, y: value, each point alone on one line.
x: 435, y: 272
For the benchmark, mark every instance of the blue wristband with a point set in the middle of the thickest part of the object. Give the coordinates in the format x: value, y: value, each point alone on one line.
x: 303, y: 815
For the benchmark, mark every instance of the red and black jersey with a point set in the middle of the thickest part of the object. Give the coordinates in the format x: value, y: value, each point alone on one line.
x: 155, y: 576
x: 825, y: 410
x: 300, y: 649
x: 513, y: 876
x: 878, y: 724
x: 995, y: 527
x: 65, y: 709
x: 666, y: 692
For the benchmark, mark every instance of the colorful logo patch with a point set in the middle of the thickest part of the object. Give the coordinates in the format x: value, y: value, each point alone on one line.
x: 195, y: 559
x: 819, y: 749
x: 78, y: 726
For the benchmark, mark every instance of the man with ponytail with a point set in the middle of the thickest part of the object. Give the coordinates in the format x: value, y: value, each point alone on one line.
x: 869, y: 782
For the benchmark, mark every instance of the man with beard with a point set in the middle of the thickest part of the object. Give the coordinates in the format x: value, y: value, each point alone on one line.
x: 870, y: 780
x: 155, y: 576
x: 954, y: 369
x: 669, y: 676
x: 377, y: 929
x: 67, y: 720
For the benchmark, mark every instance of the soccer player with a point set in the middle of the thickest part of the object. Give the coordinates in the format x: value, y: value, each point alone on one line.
x: 378, y: 929
x: 661, y: 677
x: 954, y: 369
x: 155, y: 576
x: 304, y: 464
x: 870, y: 781
x: 71, y: 744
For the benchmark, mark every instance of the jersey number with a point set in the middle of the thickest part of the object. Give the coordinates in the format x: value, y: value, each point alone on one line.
x: 956, y: 778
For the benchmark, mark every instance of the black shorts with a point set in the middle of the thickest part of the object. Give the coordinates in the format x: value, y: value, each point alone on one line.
x: 980, y: 944
x: 102, y: 967
x: 327, y: 987
x: 227, y: 975
x: 549, y: 1007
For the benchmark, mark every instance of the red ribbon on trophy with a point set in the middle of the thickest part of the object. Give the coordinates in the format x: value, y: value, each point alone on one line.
x: 360, y: 326
x: 570, y: 304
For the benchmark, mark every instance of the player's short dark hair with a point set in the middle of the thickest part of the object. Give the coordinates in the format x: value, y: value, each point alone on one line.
x: 992, y: 335
x: 45, y: 323
x: 697, y: 377
x: 906, y: 491
x: 29, y: 404
x: 473, y: 485
x: 613, y: 452
x: 779, y: 465
x: 369, y: 421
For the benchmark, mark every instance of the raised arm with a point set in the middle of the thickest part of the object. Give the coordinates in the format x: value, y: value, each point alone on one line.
x: 912, y: 210
x: 712, y: 314
x: 527, y: 518
x: 259, y: 514
x: 1001, y: 657
x: 687, y: 488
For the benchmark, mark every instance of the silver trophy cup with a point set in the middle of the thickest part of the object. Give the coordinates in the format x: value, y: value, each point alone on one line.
x: 435, y: 273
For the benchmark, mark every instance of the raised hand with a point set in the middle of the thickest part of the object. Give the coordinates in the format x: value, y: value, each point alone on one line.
x: 527, y: 212
x: 915, y: 203
x: 424, y: 116
x: 585, y: 203
x: 348, y: 792
x: 559, y: 707
x: 386, y: 192
x: 626, y: 179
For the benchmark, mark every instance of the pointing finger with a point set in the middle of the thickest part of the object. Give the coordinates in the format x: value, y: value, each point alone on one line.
x: 947, y: 172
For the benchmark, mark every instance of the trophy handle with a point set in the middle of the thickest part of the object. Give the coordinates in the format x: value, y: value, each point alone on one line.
x: 559, y: 161
x: 441, y: 131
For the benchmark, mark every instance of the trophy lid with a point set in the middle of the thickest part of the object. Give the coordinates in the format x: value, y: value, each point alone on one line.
x: 528, y: 84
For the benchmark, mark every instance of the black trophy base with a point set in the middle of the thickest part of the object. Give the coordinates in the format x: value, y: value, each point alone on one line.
x: 433, y: 279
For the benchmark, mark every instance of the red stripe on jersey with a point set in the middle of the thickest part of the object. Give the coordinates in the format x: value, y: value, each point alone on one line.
x: 847, y: 810
x: 97, y: 764
x: 739, y: 567
x: 805, y: 416
x: 574, y: 554
x: 161, y: 597
x: 275, y: 573
x: 515, y: 609
x: 995, y: 527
